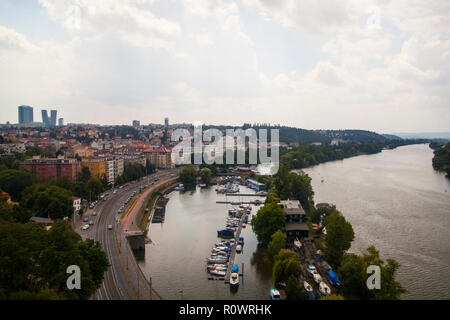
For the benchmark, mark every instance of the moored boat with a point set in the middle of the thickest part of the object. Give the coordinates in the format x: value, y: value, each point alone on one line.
x: 307, y: 286
x: 324, y: 289
x: 234, y: 279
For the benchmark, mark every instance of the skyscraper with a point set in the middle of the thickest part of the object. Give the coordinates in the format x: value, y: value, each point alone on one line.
x: 25, y: 114
x: 49, y: 122
x: 53, y: 118
x: 61, y: 122
x: 166, y: 122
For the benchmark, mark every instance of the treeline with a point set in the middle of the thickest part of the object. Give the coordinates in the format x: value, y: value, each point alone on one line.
x: 269, y: 224
x: 441, y: 159
x: 34, y: 261
x: 309, y: 155
x: 134, y: 172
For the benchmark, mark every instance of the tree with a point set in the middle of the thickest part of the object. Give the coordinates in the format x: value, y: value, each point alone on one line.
x: 294, y: 290
x: 277, y: 243
x: 353, y: 276
x: 272, y: 196
x: 85, y: 174
x: 267, y: 221
x: 322, y: 210
x: 286, y: 263
x: 13, y: 212
x: 34, y: 262
x: 333, y: 297
x: 14, y: 182
x: 339, y: 238
x: 205, y: 175
x: 188, y: 176
x: 48, y: 201
x: 94, y: 187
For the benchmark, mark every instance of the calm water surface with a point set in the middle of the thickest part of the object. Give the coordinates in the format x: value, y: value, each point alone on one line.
x: 176, y: 259
x: 394, y: 200
x: 397, y: 202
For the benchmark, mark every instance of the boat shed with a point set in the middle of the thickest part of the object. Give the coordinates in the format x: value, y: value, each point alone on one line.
x: 256, y: 185
x: 296, y: 230
x: 294, y: 211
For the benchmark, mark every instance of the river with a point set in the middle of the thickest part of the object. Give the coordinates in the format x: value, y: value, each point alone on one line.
x: 176, y: 258
x: 396, y: 201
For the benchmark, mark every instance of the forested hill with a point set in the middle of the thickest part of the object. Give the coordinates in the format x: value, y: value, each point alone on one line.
x: 354, y: 135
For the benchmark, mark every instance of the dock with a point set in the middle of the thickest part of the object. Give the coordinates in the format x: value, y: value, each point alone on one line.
x: 245, y: 195
x: 236, y: 203
x: 233, y: 250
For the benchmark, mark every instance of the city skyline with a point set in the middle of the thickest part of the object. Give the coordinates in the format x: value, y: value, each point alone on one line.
x: 351, y: 65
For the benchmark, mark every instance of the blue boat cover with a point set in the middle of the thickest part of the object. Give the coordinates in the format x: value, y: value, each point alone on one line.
x: 235, y: 268
x: 333, y: 276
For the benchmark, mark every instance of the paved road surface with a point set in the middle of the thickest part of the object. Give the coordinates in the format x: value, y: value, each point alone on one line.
x: 123, y: 280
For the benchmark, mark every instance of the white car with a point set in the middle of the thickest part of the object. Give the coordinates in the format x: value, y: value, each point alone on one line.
x: 85, y: 227
x: 110, y: 227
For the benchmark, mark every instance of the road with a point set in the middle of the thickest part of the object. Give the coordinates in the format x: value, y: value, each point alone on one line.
x: 123, y: 280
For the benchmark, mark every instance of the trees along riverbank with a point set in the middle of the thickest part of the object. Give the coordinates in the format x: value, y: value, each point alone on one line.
x: 441, y: 159
x: 269, y: 223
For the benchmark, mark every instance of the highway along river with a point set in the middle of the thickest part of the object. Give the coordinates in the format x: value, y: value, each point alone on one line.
x: 176, y: 258
x: 397, y: 202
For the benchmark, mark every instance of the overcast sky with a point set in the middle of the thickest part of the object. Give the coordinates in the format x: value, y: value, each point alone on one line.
x: 376, y: 65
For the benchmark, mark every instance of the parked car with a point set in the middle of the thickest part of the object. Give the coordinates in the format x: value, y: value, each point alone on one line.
x: 94, y: 213
x: 110, y: 227
x: 85, y: 227
x: 85, y: 219
x: 91, y: 222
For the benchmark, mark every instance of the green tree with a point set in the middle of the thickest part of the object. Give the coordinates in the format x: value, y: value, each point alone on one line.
x: 269, y: 219
x: 321, y: 211
x: 277, y: 243
x: 340, y: 235
x: 294, y: 290
x: 34, y: 262
x: 48, y: 201
x: 94, y: 187
x: 286, y: 263
x: 84, y: 175
x: 205, y: 175
x: 272, y: 196
x: 14, y: 182
x: 353, y: 276
x: 188, y: 176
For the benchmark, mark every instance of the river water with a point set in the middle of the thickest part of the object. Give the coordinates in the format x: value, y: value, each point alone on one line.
x: 176, y: 258
x: 397, y: 202
x: 394, y: 200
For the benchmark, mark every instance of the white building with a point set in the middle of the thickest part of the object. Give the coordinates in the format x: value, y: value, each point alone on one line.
x: 76, y: 203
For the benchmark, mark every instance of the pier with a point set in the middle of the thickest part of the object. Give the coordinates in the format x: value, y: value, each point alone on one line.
x: 245, y: 195
x: 233, y: 250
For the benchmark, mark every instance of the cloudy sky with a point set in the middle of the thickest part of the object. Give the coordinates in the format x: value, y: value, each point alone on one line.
x: 356, y: 64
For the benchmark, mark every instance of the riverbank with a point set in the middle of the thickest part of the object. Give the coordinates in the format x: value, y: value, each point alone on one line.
x: 396, y: 201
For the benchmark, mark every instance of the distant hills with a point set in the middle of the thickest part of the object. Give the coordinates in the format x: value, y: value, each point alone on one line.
x: 424, y: 135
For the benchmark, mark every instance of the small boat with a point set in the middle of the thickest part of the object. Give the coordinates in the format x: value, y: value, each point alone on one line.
x: 239, y: 248
x: 215, y: 268
x: 235, y: 268
x: 241, y: 240
x: 297, y: 243
x: 226, y: 233
x: 317, y: 278
x: 218, y: 273
x: 307, y: 286
x: 275, y: 294
x: 217, y: 260
x: 234, y: 280
x: 324, y: 289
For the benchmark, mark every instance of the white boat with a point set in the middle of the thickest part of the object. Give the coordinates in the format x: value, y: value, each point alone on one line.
x: 297, y: 243
x: 317, y: 278
x: 218, y: 273
x: 324, y: 289
x: 217, y: 268
x: 234, y: 280
x: 307, y: 286
x: 238, y: 248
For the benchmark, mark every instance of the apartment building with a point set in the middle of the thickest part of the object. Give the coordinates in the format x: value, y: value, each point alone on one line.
x: 160, y: 157
x: 52, y: 168
x: 97, y: 166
